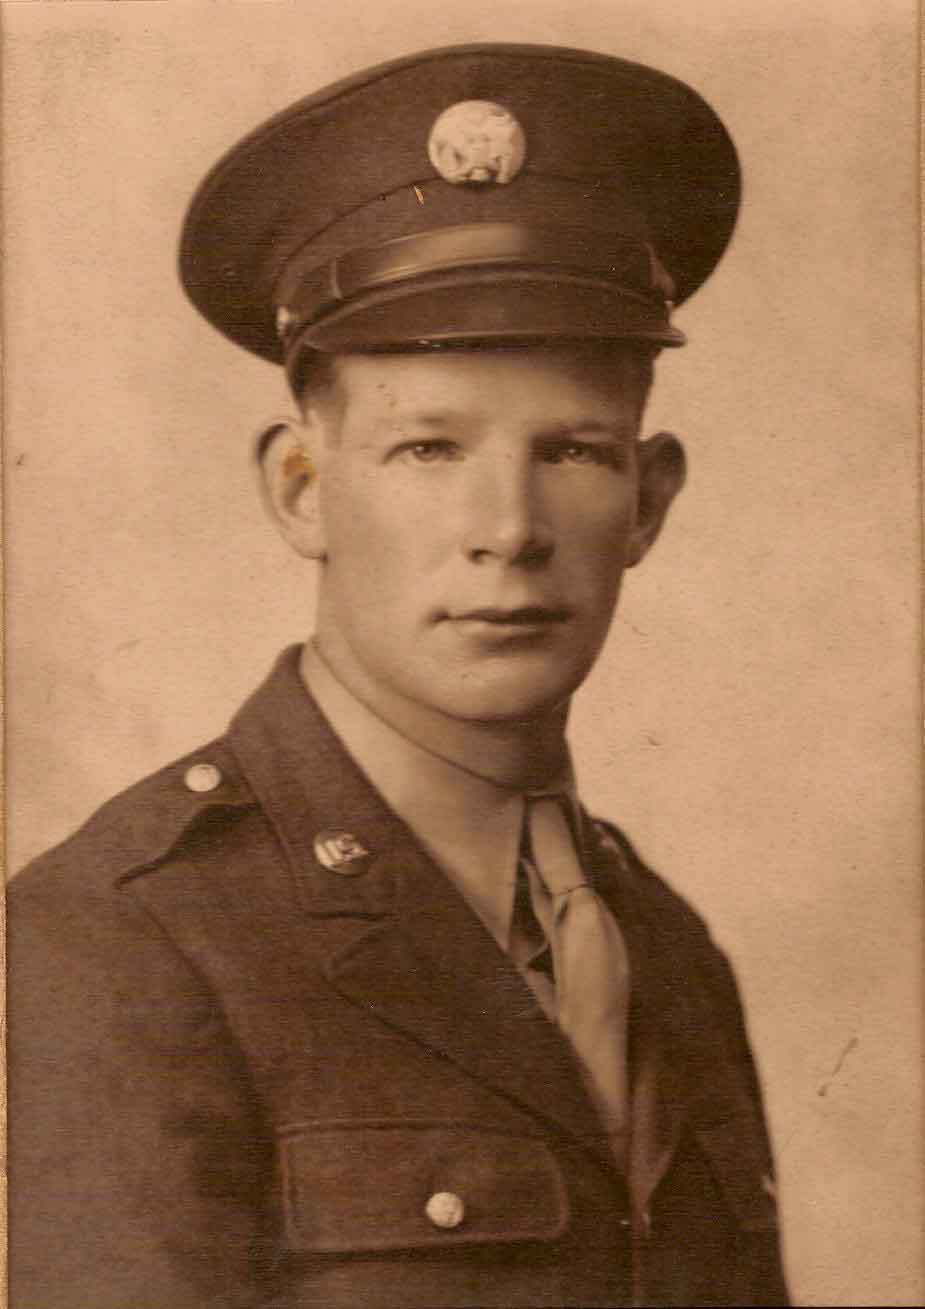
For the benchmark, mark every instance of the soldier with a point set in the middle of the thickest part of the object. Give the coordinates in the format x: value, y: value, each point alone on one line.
x: 357, y: 1005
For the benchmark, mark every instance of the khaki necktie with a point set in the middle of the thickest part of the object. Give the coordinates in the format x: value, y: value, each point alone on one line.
x: 589, y: 961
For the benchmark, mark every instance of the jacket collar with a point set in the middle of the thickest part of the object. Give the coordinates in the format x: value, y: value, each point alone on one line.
x: 309, y: 787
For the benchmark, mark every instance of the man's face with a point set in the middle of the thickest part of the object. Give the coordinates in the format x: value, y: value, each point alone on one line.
x: 478, y: 509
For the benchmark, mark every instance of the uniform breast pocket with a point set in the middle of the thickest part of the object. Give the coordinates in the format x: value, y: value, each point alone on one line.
x: 376, y: 1186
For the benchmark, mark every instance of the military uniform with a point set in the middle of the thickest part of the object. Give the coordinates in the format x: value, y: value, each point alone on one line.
x: 240, y: 1077
x: 268, y: 1049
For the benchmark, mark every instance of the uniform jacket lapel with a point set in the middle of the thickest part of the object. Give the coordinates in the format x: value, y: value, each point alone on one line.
x: 656, y: 1111
x: 694, y: 1068
x: 419, y: 958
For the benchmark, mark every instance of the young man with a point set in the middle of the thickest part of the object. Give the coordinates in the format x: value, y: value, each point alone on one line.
x: 357, y: 1005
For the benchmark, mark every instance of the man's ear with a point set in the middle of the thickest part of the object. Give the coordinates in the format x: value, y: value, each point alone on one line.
x: 288, y: 479
x: 662, y: 471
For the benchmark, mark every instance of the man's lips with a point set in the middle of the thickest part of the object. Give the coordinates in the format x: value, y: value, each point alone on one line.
x: 522, y: 616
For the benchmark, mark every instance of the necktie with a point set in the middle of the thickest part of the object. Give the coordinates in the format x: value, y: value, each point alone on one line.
x: 589, y: 960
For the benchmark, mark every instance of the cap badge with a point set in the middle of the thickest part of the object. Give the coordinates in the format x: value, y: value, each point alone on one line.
x: 477, y: 141
x: 337, y: 851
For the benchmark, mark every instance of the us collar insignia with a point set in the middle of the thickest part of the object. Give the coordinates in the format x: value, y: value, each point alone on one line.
x: 341, y: 852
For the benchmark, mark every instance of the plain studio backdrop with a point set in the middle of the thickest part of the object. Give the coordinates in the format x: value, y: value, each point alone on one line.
x: 752, y: 723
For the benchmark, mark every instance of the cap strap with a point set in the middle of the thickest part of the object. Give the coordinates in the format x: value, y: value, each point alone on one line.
x: 628, y: 263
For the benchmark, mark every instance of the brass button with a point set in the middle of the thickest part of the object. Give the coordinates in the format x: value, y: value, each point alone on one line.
x: 445, y: 1209
x: 202, y: 777
x: 341, y: 852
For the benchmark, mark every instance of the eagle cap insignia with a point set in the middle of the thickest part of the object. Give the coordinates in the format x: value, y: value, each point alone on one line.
x: 477, y: 141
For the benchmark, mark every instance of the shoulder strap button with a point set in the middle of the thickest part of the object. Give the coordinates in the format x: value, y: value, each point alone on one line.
x: 202, y: 777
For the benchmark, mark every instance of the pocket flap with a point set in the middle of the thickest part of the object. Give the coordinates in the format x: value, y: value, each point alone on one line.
x: 381, y: 1186
x: 742, y: 1169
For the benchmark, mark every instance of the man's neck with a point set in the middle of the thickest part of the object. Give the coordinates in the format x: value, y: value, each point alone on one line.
x: 524, y: 754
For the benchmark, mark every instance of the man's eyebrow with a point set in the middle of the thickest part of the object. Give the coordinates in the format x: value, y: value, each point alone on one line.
x: 616, y: 431
x: 428, y: 417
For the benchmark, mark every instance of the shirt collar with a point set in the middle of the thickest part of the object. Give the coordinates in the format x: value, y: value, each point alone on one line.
x: 470, y: 825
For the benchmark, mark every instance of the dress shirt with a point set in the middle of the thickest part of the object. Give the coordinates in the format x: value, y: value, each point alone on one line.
x: 471, y: 826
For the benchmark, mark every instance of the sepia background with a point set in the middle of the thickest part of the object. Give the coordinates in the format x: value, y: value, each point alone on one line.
x: 753, y: 723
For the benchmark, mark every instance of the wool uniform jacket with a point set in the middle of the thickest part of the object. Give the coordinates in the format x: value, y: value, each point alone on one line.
x: 238, y: 1076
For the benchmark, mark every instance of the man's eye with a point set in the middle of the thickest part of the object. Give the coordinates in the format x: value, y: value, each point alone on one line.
x: 427, y: 452
x: 584, y: 452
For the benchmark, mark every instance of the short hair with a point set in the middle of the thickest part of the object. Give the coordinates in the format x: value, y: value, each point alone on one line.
x: 312, y: 376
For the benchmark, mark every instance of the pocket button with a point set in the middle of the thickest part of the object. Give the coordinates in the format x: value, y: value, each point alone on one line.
x: 445, y: 1209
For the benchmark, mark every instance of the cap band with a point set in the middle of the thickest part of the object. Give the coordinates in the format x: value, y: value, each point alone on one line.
x: 627, y: 263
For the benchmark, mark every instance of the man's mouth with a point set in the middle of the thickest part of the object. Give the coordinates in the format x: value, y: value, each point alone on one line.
x: 523, y: 616
x: 526, y: 614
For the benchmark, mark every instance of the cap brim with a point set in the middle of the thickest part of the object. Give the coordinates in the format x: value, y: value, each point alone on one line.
x: 490, y: 307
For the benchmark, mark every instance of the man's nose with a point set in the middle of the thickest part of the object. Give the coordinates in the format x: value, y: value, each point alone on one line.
x: 505, y: 516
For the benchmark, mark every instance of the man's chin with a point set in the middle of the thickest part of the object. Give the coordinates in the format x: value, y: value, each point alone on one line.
x: 514, y: 701
x: 511, y: 690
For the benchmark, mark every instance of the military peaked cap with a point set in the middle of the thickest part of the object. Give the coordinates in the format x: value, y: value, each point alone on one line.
x: 480, y: 193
